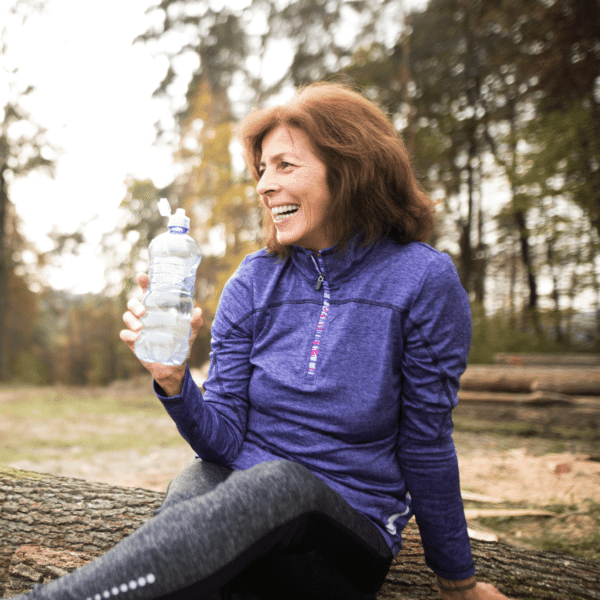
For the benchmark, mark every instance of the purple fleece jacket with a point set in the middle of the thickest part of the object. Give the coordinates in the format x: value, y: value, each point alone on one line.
x: 348, y: 364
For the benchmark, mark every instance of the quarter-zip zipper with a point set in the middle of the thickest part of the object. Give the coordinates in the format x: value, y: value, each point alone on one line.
x: 321, y: 278
x: 316, y: 345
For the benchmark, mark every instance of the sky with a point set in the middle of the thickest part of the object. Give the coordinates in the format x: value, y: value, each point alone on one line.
x: 93, y: 94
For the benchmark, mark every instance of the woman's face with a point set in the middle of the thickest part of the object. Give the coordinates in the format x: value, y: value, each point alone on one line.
x: 293, y: 187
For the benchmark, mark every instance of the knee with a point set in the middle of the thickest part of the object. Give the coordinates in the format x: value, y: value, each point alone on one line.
x: 198, y: 478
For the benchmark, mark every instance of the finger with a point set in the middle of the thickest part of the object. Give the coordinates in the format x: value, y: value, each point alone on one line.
x: 143, y: 281
x: 132, y: 322
x: 136, y: 308
x: 129, y: 337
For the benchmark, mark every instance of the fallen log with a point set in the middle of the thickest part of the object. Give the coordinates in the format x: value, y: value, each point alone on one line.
x: 570, y: 380
x: 51, y: 525
x: 539, y: 398
x: 561, y: 360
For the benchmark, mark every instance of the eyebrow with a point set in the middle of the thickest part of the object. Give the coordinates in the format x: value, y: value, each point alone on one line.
x: 277, y: 157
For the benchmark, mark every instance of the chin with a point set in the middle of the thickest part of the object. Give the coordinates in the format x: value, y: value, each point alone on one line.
x: 286, y: 239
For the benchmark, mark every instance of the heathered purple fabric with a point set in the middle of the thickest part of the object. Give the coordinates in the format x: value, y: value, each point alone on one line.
x: 356, y: 381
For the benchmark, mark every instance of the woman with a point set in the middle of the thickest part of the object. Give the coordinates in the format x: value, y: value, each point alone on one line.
x: 326, y: 419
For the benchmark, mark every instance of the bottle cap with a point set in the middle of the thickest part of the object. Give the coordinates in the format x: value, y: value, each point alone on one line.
x: 179, y: 219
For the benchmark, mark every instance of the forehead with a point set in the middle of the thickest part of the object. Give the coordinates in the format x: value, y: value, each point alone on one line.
x: 286, y: 140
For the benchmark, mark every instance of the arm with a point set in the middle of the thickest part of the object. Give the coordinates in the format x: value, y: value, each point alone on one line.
x: 436, y: 347
x: 214, y: 424
x: 437, y: 335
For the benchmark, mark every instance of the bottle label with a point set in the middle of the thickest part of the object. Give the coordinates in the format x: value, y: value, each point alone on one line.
x: 178, y: 229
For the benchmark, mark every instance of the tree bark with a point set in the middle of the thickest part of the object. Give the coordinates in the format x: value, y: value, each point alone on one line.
x: 51, y: 525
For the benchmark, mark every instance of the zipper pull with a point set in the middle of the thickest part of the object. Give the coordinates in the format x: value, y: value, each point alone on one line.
x: 319, y: 282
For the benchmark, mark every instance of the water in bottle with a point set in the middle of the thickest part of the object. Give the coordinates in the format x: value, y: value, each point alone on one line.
x: 174, y: 258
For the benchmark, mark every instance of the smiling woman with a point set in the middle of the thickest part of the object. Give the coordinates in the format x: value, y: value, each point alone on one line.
x: 325, y: 421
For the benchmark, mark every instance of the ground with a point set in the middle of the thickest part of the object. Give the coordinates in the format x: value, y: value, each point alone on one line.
x: 513, y: 475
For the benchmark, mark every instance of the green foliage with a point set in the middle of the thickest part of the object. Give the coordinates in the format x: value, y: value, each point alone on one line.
x: 516, y: 334
x: 27, y: 366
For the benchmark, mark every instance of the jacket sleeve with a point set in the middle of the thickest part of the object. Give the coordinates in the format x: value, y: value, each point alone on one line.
x: 437, y: 337
x: 214, y: 424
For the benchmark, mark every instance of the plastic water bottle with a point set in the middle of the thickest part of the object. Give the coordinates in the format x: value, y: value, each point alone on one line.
x: 174, y: 258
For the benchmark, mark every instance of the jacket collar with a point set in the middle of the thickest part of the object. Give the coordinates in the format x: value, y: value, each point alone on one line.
x: 336, y: 266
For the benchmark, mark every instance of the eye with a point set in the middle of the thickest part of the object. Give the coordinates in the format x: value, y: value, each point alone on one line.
x: 284, y: 165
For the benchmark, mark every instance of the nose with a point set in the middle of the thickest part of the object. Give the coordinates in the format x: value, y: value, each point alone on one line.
x: 267, y: 184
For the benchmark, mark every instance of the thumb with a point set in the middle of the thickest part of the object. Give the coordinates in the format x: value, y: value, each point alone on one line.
x: 196, y: 322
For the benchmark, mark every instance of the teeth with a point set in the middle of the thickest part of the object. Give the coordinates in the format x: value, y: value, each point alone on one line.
x: 282, y: 209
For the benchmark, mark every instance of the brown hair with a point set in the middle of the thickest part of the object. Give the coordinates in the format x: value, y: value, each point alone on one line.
x: 372, y: 185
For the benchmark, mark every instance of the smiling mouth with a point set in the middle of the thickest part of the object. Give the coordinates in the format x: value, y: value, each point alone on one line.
x: 283, y: 213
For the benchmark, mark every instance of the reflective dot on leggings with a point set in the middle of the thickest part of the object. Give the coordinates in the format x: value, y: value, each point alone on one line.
x: 123, y: 587
x: 115, y: 591
x: 97, y: 597
x: 141, y: 581
x: 106, y: 594
x: 150, y: 578
x: 132, y: 584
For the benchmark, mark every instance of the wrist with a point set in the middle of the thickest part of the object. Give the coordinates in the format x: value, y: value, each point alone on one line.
x: 171, y: 382
x: 460, y: 585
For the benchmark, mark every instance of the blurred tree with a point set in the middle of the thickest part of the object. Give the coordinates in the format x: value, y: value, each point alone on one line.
x: 23, y: 148
x: 80, y: 344
x: 223, y: 203
x: 24, y: 349
x: 560, y: 48
x: 553, y: 50
x: 433, y: 83
x: 464, y: 81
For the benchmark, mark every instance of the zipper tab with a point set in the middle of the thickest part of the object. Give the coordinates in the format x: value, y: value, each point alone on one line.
x: 321, y: 278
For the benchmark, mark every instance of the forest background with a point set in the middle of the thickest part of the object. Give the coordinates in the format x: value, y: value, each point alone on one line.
x: 498, y: 102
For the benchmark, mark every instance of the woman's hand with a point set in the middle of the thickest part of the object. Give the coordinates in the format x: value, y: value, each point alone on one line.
x: 482, y: 591
x: 169, y: 378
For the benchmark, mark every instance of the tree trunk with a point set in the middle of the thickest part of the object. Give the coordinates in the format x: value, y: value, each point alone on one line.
x: 52, y: 525
x: 3, y: 271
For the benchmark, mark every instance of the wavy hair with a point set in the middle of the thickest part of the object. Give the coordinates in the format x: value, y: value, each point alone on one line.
x: 372, y: 185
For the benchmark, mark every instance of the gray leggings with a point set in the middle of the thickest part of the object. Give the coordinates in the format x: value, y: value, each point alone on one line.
x: 272, y: 532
